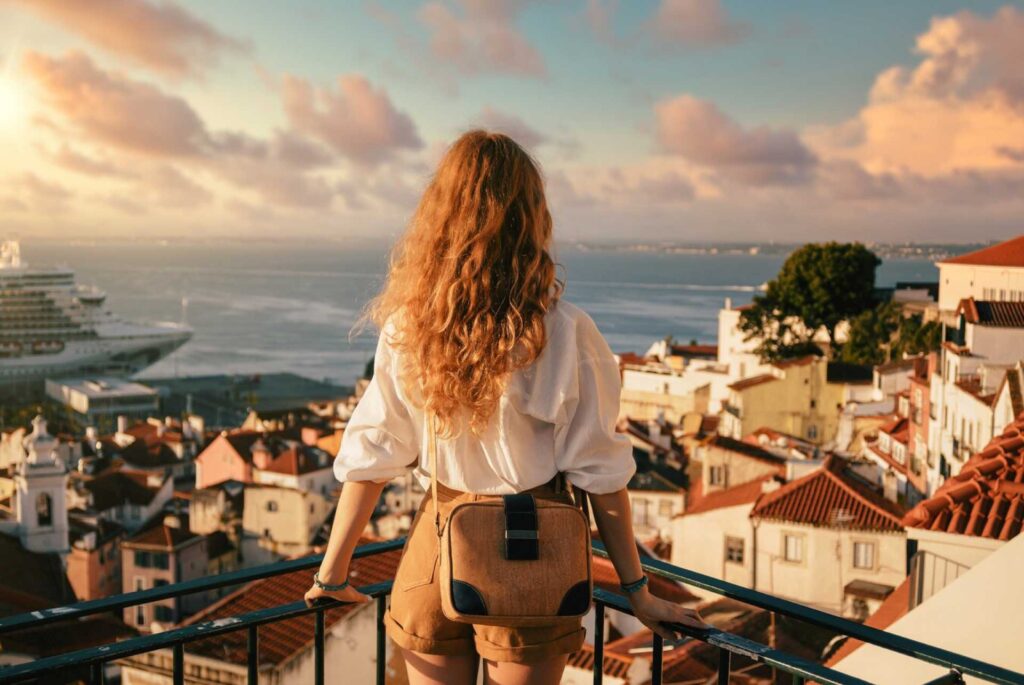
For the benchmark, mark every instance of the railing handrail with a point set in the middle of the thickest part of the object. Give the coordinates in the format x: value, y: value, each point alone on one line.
x: 177, y: 636
x: 879, y: 638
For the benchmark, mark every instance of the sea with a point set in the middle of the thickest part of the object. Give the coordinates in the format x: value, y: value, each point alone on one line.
x: 290, y: 306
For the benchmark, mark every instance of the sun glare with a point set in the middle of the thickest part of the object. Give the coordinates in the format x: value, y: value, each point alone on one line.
x: 12, y: 103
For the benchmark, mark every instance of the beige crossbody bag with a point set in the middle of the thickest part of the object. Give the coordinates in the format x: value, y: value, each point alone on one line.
x: 513, y: 560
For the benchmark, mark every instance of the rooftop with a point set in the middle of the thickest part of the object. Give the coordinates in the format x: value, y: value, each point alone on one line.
x: 1007, y: 253
x: 115, y: 488
x: 831, y: 496
x: 992, y: 313
x: 163, y: 536
x: 106, y: 387
x: 745, y: 493
x: 986, y: 499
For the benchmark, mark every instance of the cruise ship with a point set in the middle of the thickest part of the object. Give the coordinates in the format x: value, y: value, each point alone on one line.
x: 50, y: 327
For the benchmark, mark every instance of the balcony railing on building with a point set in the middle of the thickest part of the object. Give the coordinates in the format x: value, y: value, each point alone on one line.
x: 165, y: 651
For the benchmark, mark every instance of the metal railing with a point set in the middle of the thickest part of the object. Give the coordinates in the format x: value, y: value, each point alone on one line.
x: 729, y: 645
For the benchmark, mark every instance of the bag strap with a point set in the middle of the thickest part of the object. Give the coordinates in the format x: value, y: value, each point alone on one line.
x: 432, y: 451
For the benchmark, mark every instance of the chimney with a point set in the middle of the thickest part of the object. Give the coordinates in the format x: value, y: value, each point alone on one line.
x: 122, y: 423
x: 770, y: 484
x: 310, y: 435
x: 261, y: 455
x: 890, y: 485
x: 91, y: 436
x: 172, y: 521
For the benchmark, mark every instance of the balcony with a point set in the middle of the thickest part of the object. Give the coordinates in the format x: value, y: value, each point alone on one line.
x: 731, y: 647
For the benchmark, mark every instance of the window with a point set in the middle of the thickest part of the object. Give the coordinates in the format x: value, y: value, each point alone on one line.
x: 44, y: 510
x: 864, y: 555
x: 716, y: 475
x: 161, y: 560
x: 140, y: 616
x: 271, y: 506
x: 143, y: 560
x: 814, y: 403
x: 812, y: 432
x: 640, y: 511
x: 665, y: 508
x: 734, y: 549
x: 793, y: 548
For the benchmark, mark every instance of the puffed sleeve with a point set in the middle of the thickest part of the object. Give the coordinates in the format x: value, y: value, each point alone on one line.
x: 588, y: 449
x: 380, y: 440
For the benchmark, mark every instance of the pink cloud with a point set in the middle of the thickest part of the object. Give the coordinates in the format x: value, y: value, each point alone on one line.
x: 356, y: 121
x: 510, y: 125
x: 121, y: 112
x: 481, y: 37
x: 161, y: 36
x: 701, y: 133
x: 694, y: 24
x: 31, y: 194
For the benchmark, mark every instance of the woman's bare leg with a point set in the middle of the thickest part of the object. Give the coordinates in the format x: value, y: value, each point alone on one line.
x: 548, y: 672
x: 432, y: 669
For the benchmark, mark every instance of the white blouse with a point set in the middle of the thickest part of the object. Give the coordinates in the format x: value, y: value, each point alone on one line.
x: 558, y: 414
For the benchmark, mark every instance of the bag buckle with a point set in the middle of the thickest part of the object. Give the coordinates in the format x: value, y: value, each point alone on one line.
x: 521, y: 540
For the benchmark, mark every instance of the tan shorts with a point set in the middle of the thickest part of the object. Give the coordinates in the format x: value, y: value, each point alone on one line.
x: 415, y: 620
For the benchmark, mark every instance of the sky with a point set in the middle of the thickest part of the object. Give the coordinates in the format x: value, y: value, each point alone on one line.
x: 652, y: 120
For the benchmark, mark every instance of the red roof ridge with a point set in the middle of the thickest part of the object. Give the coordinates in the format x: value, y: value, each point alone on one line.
x: 1007, y: 253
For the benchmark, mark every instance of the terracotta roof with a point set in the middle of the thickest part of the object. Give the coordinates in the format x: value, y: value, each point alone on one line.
x: 162, y: 536
x: 752, y: 381
x: 282, y: 640
x: 992, y: 313
x: 1007, y: 253
x: 115, y: 488
x: 695, y: 350
x: 299, y: 460
x: 897, y: 428
x: 831, y: 496
x: 973, y: 387
x: 894, y: 607
x: 614, y: 664
x: 986, y: 499
x: 149, y: 453
x: 745, y: 448
x: 745, y: 493
x: 606, y: 578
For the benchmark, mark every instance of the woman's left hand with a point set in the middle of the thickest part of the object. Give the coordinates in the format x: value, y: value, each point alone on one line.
x: 655, y: 613
x: 349, y: 595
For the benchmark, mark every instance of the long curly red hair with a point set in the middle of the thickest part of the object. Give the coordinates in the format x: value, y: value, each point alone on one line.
x: 470, y: 281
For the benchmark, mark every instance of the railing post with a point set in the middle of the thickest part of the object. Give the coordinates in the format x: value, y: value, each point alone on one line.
x: 318, y: 648
x: 656, y: 662
x: 598, y: 643
x: 254, y: 655
x: 382, y: 605
x: 96, y: 673
x: 178, y: 668
x: 724, y: 657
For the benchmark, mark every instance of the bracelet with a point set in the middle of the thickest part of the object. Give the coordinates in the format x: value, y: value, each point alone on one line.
x: 635, y: 586
x: 328, y: 588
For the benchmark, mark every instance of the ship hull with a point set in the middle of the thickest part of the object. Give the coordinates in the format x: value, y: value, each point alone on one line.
x: 22, y: 378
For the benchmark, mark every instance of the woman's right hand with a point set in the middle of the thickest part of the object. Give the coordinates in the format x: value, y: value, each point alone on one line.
x: 349, y: 595
x: 655, y: 613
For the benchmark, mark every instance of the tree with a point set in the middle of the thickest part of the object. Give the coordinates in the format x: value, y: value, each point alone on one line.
x: 883, y: 334
x: 819, y: 286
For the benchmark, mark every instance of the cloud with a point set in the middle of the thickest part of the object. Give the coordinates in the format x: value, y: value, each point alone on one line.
x: 700, y: 132
x: 356, y: 121
x: 693, y: 24
x: 68, y: 158
x: 112, y: 108
x: 161, y: 36
x: 960, y: 108
x: 480, y: 37
x: 30, y: 194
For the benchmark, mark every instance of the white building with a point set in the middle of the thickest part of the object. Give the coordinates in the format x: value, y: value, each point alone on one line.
x: 40, y: 495
x: 972, y: 515
x: 715, y: 536
x: 992, y: 274
x: 829, y: 539
x: 98, y: 401
x: 986, y: 343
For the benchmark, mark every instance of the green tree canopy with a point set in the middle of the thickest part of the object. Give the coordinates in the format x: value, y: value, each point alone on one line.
x: 884, y: 334
x: 819, y: 286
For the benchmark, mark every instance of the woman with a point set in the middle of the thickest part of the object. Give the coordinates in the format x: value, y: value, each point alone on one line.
x: 523, y: 386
